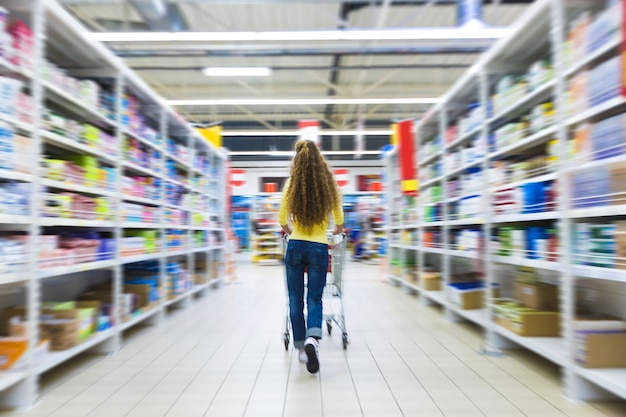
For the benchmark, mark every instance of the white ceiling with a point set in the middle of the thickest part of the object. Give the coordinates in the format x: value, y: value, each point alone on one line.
x: 307, y: 75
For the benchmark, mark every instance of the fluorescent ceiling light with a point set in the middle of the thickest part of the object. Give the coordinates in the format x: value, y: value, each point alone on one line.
x: 320, y: 35
x: 301, y: 101
x: 249, y: 133
x: 237, y: 72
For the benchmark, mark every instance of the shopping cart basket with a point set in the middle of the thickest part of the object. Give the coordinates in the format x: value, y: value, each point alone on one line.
x: 333, y: 291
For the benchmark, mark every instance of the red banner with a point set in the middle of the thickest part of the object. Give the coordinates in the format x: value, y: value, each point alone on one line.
x: 406, y: 152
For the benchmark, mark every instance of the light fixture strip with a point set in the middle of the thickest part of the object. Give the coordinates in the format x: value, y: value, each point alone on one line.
x: 237, y: 71
x: 290, y: 153
x: 321, y: 35
x: 299, y: 102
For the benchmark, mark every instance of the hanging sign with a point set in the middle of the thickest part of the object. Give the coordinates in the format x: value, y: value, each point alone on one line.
x: 238, y: 177
x: 310, y: 130
x: 341, y: 176
x: 406, y: 152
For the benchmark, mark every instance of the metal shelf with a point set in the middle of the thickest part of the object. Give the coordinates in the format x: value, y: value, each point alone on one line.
x: 533, y: 263
x: 14, y: 219
x: 141, y: 225
x: 600, y: 211
x: 142, y: 200
x: 76, y: 105
x: 534, y: 97
x: 431, y: 158
x: 608, y: 48
x: 139, y: 169
x: 141, y: 139
x: 551, y: 348
x: 527, y: 142
x: 464, y: 137
x: 135, y: 320
x: 72, y: 269
x: 597, y: 111
x: 57, y: 221
x: 67, y: 143
x: 77, y: 188
x: 10, y: 378
x: 53, y: 359
x: 438, y: 297
x: 609, y: 274
x: 541, y: 178
x: 529, y: 217
x: 613, y: 380
x: 139, y: 258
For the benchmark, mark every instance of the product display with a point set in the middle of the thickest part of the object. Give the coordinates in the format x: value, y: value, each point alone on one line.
x: 99, y: 228
x: 530, y: 175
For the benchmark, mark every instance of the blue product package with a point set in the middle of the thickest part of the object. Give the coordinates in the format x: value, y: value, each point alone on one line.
x: 532, y: 197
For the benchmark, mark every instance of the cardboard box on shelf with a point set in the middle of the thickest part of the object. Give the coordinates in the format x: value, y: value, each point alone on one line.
x: 431, y: 284
x: 143, y: 292
x: 12, y: 349
x: 538, y: 295
x: 467, y: 299
x: 526, y: 321
x: 61, y: 328
x: 598, y: 350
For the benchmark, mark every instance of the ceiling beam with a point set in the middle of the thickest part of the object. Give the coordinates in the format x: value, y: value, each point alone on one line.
x: 312, y: 68
x: 238, y: 51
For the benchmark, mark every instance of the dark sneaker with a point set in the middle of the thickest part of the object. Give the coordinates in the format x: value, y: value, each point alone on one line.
x: 310, y: 348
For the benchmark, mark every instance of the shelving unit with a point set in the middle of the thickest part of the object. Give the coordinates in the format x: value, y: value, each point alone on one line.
x: 266, y: 239
x: 189, y: 229
x: 479, y: 136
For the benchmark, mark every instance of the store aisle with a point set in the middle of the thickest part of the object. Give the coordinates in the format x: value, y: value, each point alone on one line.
x: 224, y: 357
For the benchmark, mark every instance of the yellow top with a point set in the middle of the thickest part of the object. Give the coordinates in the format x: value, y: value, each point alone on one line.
x: 318, y: 234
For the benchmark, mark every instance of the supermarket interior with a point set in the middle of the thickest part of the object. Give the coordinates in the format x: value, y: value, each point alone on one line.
x: 145, y: 146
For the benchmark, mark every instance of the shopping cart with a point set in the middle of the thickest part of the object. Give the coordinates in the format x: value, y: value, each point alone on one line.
x: 333, y: 291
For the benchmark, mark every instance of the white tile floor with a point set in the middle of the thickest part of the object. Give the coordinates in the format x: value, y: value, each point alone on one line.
x: 224, y: 357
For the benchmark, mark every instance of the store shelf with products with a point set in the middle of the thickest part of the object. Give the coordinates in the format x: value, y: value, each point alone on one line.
x: 525, y: 155
x: 266, y: 239
x: 108, y: 198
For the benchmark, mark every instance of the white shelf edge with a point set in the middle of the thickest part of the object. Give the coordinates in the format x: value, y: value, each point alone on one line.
x: 56, y: 139
x: 609, y: 274
x: 522, y: 102
x: 58, y: 221
x: 16, y: 123
x: 614, y: 43
x: 466, y: 222
x: 599, y: 211
x: 139, y: 318
x: 71, y: 269
x: 612, y: 379
x: 14, y: 219
x: 178, y: 298
x: 533, y: 263
x: 540, y: 178
x: 75, y: 187
x: 437, y: 296
x: 405, y: 246
x: 460, y: 170
x: 85, y: 108
x: 141, y: 139
x: 462, y: 253
x: 596, y: 111
x: 10, y: 378
x: 137, y: 168
x: 465, y: 137
x: 527, y: 141
x: 431, y: 158
x: 479, y: 316
x: 544, y: 346
x: 140, y: 225
x: 54, y: 359
x: 518, y: 218
x: 139, y: 258
x: 431, y: 182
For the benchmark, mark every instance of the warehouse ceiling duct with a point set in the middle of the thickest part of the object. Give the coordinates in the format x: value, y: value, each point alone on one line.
x: 160, y: 15
x: 470, y: 14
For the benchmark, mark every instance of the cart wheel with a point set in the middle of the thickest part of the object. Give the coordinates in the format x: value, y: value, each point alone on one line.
x: 344, y: 340
x: 329, y: 327
x: 286, y: 341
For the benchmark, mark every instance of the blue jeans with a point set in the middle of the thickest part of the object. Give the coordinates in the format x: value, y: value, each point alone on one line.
x: 313, y: 256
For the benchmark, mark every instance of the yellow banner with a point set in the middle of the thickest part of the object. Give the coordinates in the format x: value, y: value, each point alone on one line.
x: 212, y: 134
x: 409, y: 185
x: 394, y: 134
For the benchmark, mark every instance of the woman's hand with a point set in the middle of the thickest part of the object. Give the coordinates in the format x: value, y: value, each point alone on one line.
x: 286, y: 229
x: 338, y: 229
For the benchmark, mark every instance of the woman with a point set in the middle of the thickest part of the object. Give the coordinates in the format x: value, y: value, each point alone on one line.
x: 309, y: 196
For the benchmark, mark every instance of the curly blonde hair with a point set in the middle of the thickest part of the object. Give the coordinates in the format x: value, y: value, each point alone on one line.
x: 313, y: 191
